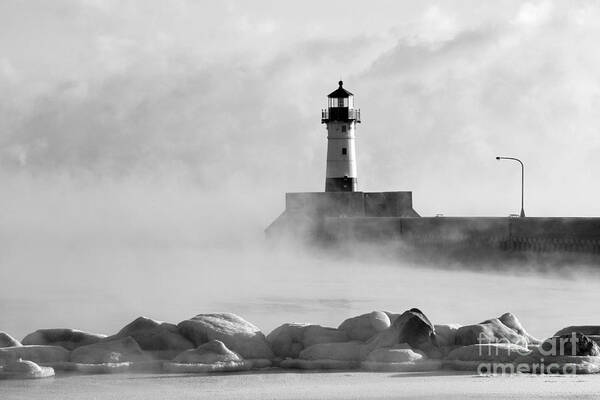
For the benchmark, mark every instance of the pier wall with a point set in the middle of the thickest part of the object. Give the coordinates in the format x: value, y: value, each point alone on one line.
x: 531, y: 233
x: 379, y: 217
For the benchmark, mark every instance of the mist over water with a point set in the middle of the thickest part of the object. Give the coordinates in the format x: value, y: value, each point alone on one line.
x: 96, y: 256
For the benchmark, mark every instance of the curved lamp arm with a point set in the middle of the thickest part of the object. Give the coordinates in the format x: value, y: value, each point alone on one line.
x: 522, y: 181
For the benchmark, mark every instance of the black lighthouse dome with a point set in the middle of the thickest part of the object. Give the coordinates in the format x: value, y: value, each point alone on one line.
x: 340, y: 92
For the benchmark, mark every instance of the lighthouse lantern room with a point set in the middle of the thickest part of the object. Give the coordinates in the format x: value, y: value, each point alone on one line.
x: 341, y: 118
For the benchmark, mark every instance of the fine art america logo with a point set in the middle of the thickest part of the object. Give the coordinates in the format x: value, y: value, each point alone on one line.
x: 556, y: 355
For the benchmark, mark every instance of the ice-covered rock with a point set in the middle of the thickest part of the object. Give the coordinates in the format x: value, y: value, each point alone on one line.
x: 346, y: 351
x: 380, y: 320
x: 505, y: 329
x: 510, y: 320
x: 566, y: 354
x: 411, y: 327
x: 288, y: 340
x: 445, y: 334
x: 490, y: 331
x: 8, y: 341
x: 113, y: 351
x: 591, y: 331
x: 496, y: 352
x: 68, y: 338
x: 24, y: 369
x: 162, y: 339
x: 588, y: 330
x: 397, y: 354
x: 571, y: 344
x: 486, y: 358
x: 236, y: 333
x: 208, y: 353
x: 40, y: 354
x: 365, y: 326
x: 400, y: 358
x: 212, y: 356
x: 317, y: 334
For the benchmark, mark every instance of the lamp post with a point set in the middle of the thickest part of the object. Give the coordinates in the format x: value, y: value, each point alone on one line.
x: 522, y: 180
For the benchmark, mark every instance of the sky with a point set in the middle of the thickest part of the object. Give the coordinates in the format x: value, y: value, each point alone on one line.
x: 135, y: 125
x: 224, y: 99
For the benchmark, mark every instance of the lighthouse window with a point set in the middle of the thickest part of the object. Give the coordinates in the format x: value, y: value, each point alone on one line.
x: 344, y: 151
x: 343, y: 128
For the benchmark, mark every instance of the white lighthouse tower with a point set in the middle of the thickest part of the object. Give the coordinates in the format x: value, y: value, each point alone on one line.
x: 341, y: 118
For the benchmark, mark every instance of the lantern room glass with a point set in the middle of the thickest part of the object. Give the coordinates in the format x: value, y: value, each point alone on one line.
x: 341, y: 101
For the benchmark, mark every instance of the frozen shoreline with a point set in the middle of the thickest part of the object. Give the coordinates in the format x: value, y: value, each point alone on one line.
x: 286, y: 384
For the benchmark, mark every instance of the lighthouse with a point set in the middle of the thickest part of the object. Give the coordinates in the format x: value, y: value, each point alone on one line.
x: 341, y: 118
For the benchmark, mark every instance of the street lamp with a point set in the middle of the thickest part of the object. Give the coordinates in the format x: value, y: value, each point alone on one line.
x: 522, y: 180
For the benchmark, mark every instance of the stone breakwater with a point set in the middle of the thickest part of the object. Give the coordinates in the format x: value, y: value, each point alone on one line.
x: 376, y: 341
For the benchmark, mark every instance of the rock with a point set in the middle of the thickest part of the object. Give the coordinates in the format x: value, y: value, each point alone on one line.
x: 380, y: 321
x: 317, y: 334
x: 68, y: 338
x: 289, y: 340
x: 511, y: 321
x: 45, y: 355
x: 399, y: 358
x: 364, y: 326
x: 212, y: 356
x: 445, y: 335
x: 570, y: 344
x: 486, y: 358
x: 236, y: 333
x: 506, y: 329
x: 411, y: 327
x: 495, y: 352
x: 140, y: 324
x: 398, y: 354
x: 8, y: 341
x: 588, y: 330
x: 550, y: 359
x: 490, y: 331
x: 347, y: 351
x: 392, y: 316
x: 164, y: 340
x: 416, y: 330
x: 114, y: 351
x: 591, y: 331
x: 208, y: 353
x: 24, y: 369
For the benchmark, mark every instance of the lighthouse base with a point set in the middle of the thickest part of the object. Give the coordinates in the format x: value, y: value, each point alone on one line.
x: 340, y: 184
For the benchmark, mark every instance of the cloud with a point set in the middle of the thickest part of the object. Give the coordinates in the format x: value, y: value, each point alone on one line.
x: 437, y: 26
x: 141, y: 91
x: 488, y: 90
x: 534, y: 14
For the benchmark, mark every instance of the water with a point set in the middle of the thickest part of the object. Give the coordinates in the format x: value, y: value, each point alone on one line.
x: 102, y: 289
